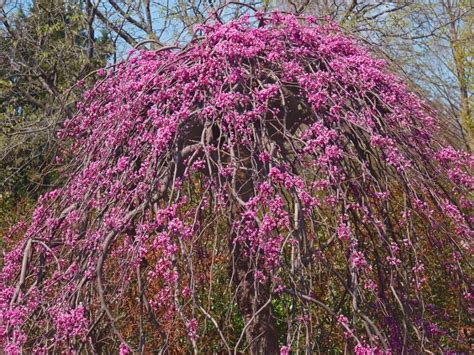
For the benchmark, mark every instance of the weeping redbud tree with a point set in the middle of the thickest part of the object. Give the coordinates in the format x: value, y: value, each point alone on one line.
x: 268, y: 188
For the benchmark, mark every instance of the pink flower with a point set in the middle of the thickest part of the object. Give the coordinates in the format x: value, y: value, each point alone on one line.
x: 192, y: 327
x: 343, y: 232
x: 124, y: 349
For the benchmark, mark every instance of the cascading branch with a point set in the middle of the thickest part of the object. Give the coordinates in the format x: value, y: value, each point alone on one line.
x: 266, y: 188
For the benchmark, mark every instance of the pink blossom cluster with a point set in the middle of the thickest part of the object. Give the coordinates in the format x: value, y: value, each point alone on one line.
x: 69, y: 323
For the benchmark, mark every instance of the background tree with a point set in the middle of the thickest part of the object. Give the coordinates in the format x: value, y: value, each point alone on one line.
x: 45, y: 50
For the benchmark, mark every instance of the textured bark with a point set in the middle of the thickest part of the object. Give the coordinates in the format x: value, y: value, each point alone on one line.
x: 252, y: 296
x: 261, y: 334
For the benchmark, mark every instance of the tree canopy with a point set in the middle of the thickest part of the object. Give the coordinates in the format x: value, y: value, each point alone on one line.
x: 268, y: 187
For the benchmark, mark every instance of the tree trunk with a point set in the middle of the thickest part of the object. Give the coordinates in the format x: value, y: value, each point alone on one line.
x: 253, y: 296
x: 254, y: 306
